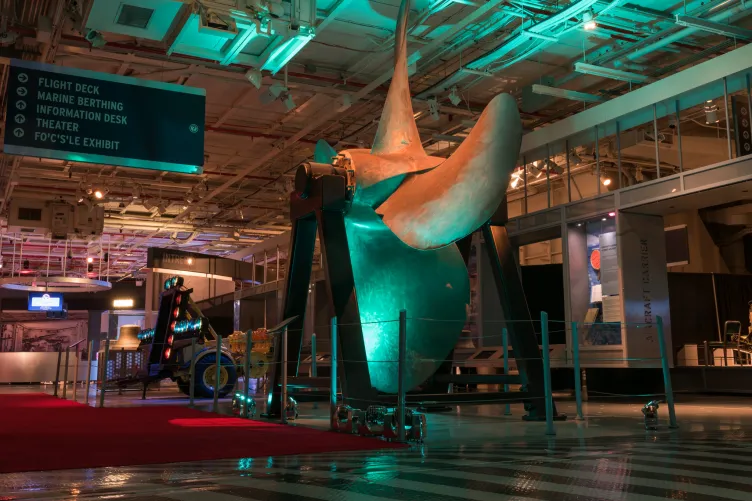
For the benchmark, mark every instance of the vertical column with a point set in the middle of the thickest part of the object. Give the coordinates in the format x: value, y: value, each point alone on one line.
x: 333, y: 387
x: 655, y: 140
x: 401, y: 373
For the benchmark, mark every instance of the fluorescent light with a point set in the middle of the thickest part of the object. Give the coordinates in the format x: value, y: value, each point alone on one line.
x: 122, y: 303
x: 448, y: 138
x: 480, y: 73
x: 600, y: 71
x: 539, y: 36
x: 545, y: 90
x: 713, y: 27
x: 286, y: 51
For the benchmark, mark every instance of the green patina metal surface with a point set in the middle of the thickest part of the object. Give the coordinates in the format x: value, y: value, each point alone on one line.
x: 432, y: 286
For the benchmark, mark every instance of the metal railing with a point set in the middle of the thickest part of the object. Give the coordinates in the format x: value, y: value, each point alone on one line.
x: 65, y: 373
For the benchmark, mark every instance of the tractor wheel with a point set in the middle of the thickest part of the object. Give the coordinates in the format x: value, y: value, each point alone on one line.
x: 205, y: 376
x: 184, y: 385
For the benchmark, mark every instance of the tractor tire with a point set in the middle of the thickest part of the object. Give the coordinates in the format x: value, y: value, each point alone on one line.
x: 184, y: 385
x: 205, y: 376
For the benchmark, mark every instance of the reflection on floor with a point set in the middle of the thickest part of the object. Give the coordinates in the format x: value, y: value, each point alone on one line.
x: 474, y: 453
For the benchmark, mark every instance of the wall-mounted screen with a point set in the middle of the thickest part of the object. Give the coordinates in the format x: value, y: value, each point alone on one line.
x: 45, y: 301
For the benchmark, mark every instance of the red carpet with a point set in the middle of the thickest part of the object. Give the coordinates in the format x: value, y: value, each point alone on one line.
x: 40, y: 432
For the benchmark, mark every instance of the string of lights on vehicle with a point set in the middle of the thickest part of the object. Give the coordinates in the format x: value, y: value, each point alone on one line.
x: 183, y: 326
x: 173, y: 282
x: 145, y: 335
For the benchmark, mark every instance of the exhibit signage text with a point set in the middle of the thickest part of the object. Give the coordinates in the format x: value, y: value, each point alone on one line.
x: 85, y: 116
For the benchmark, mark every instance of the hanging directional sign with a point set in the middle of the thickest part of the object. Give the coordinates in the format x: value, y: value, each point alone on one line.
x: 86, y: 116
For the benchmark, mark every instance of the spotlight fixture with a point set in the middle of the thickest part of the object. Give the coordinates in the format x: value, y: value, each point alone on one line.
x: 189, y: 261
x: 95, y: 38
x: 89, y: 259
x: 106, y: 257
x: 433, y: 108
x: 90, y: 268
x: 136, y: 194
x: 605, y: 180
x: 148, y: 204
x: 454, y: 97
x: 289, y: 103
x: 588, y: 20
x: 161, y: 208
x: 612, y: 214
x: 254, y: 76
x: 99, y: 194
x: 80, y: 196
x: 345, y: 102
x: 274, y: 91
x: 537, y: 171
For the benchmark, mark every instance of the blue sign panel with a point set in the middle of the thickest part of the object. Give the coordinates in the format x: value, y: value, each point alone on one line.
x: 85, y: 116
x: 45, y: 301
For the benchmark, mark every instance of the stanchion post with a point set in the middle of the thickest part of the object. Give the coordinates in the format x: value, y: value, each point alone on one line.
x: 217, y: 368
x: 314, y: 367
x: 65, y: 373
x: 283, y: 413
x: 333, y: 376
x: 247, y: 371
x: 192, y: 375
x: 57, y: 372
x: 88, y: 370
x: 666, y: 376
x: 75, y: 375
x: 505, y: 344
x: 401, y: 368
x: 706, y: 350
x: 104, y: 370
x: 549, y: 398
x: 314, y: 362
x: 577, y: 373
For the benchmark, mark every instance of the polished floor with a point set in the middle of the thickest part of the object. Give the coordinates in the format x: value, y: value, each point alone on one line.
x: 475, y: 453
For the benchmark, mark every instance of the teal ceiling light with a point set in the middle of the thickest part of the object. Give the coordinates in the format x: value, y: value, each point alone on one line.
x: 281, y: 55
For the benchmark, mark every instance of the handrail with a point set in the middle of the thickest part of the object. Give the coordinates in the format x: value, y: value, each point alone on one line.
x: 76, y: 343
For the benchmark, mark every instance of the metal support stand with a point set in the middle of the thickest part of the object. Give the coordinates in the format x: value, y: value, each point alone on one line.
x: 104, y: 371
x: 333, y: 376
x: 505, y: 344
x: 547, y: 376
x: 666, y: 376
x: 283, y: 414
x: 401, y: 390
x: 577, y: 373
x: 57, y: 373
x: 75, y: 375
x: 65, y: 373
x: 217, y: 368
x: 706, y: 358
x: 247, y: 372
x: 88, y: 371
x: 192, y: 374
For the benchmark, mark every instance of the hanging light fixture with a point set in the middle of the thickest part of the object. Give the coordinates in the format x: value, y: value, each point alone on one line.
x: 605, y: 180
x: 588, y: 20
x: 711, y: 112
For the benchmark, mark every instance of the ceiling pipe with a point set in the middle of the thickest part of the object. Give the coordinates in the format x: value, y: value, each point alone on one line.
x: 681, y: 34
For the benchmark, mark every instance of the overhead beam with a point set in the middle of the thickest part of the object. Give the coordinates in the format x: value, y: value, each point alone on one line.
x: 714, y: 27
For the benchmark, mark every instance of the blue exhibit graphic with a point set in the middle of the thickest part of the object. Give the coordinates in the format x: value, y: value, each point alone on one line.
x: 596, y: 332
x: 45, y: 301
x: 85, y: 116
